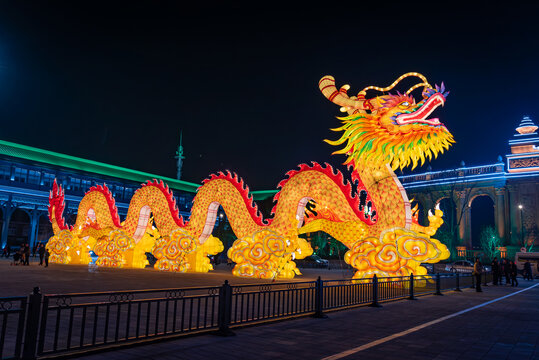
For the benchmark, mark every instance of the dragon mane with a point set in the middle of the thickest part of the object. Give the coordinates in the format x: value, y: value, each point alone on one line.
x: 366, y: 141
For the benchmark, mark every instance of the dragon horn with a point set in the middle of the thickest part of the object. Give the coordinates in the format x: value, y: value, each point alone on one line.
x: 339, y: 97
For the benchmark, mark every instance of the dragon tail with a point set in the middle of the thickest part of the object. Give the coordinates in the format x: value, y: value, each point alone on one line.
x: 56, y: 208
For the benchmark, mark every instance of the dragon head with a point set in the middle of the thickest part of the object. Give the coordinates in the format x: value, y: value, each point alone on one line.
x: 389, y: 129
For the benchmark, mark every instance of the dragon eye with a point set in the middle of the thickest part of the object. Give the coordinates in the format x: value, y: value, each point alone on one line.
x: 406, y: 103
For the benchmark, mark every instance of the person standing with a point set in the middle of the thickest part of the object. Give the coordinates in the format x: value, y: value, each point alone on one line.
x: 26, y: 254
x: 22, y: 254
x: 477, y: 271
x: 507, y: 271
x: 528, y: 270
x: 495, y: 271
x: 41, y: 252
x: 514, y: 281
x: 47, y: 254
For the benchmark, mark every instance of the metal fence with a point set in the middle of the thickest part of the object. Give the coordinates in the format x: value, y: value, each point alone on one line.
x: 13, y: 311
x: 43, y: 325
x: 77, y: 321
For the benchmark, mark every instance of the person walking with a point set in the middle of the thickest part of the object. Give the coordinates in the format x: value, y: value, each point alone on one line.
x: 41, y: 252
x: 477, y: 270
x: 47, y: 254
x: 495, y: 271
x: 514, y: 281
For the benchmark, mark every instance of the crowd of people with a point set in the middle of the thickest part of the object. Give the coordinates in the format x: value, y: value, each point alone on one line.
x: 505, y: 269
x: 22, y: 255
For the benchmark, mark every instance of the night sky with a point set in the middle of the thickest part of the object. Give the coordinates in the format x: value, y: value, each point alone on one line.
x: 117, y: 84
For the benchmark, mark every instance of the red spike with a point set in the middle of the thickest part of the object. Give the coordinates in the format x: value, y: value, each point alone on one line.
x: 57, y: 204
x: 291, y: 173
x: 243, y: 190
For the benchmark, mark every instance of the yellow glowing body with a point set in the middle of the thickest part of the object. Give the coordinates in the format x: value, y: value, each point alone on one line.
x: 379, y: 135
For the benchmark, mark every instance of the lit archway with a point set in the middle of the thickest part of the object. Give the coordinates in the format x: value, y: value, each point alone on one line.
x: 44, y: 230
x: 482, y: 216
x: 19, y: 229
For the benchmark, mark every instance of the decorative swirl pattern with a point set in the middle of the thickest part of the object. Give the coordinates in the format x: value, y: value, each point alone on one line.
x: 59, y: 246
x: 267, y: 255
x: 179, y: 252
x: 398, y: 252
x: 113, y: 249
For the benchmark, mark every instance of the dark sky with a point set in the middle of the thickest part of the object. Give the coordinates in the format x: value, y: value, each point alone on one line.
x: 117, y: 83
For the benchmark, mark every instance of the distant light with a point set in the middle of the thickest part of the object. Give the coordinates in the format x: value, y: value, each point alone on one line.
x: 520, y: 207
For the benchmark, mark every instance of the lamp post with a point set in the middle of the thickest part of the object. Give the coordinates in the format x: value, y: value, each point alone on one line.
x: 521, y: 225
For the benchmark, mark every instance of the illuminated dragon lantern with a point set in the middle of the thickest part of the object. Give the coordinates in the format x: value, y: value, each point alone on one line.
x: 375, y: 221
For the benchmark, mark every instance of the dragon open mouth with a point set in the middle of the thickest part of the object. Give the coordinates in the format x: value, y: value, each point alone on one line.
x: 425, y: 110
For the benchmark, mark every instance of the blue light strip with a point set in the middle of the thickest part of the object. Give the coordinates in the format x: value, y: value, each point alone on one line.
x: 524, y: 141
x: 522, y: 155
x: 469, y: 179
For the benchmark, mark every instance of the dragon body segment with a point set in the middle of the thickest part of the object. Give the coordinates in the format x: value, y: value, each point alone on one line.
x: 373, y: 218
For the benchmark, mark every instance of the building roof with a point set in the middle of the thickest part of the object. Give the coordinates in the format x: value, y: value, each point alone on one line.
x: 72, y: 162
x: 526, y: 126
x: 76, y: 163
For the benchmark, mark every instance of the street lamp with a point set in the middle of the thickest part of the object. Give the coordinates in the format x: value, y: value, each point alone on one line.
x: 521, y: 225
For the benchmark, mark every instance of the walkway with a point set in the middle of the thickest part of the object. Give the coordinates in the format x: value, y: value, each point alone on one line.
x: 504, y: 329
x: 62, y: 279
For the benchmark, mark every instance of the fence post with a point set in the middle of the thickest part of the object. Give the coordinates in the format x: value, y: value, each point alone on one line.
x: 412, y: 287
x: 32, y: 324
x: 438, y: 292
x: 375, y: 292
x: 319, y: 299
x: 457, y: 282
x: 225, y: 310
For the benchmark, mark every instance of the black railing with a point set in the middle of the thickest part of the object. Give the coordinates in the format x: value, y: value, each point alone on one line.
x: 13, y: 311
x: 338, y: 294
x: 77, y: 321
x: 42, y: 325
x: 255, y: 303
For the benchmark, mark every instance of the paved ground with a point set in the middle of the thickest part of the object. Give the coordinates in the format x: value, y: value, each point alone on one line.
x: 20, y: 280
x: 504, y: 329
